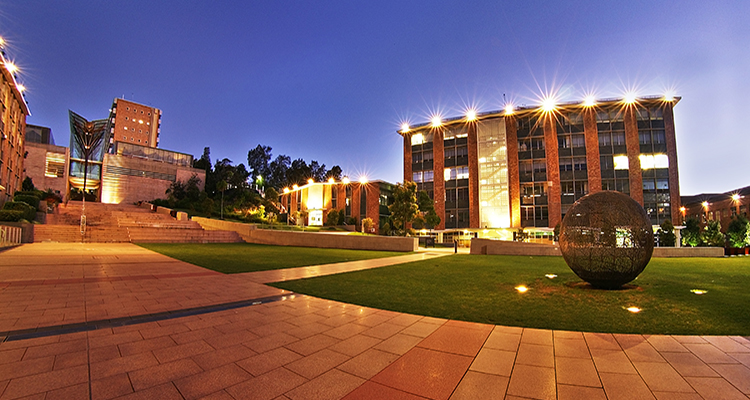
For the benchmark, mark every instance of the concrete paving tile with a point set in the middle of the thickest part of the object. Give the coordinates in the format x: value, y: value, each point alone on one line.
x: 220, y: 395
x: 533, y: 382
x: 305, y: 331
x: 405, y: 319
x: 688, y: 339
x: 613, y: 361
x: 167, y: 354
x: 737, y: 375
x: 726, y: 344
x: 104, y: 353
x: 499, y: 340
x: 571, y: 348
x: 54, y: 349
x: 677, y: 396
x: 643, y: 352
x: 355, y: 345
x: 514, y: 330
x: 317, y: 363
x: 346, y: 331
x: 153, y: 332
x: 495, y: 362
x: 715, y: 388
x: 425, y: 372
x: 604, y: 341
x: 267, y: 343
x: 576, y: 371
x: 267, y: 386
x: 371, y: 390
x: 44, y: 382
x: 79, y: 391
x: 534, y: 354
x: 230, y: 339
x: 262, y: 363
x: 162, y: 373
x: 114, y: 339
x: 688, y: 364
x: 122, y: 364
x: 398, y: 344
x: 368, y: 364
x: 205, y: 383
x: 271, y: 329
x: 567, y: 392
x: 625, y: 387
x: 478, y: 386
x: 537, y: 336
x: 111, y: 387
x: 166, y: 391
x: 332, y: 385
x: 457, y: 340
x: 68, y: 360
x: 13, y: 355
x: 383, y: 331
x: 214, y: 359
x: 312, y: 344
x: 567, y: 335
x: 421, y: 329
x: 663, y: 343
x: 743, y: 358
x: 372, y: 319
x: 661, y: 377
x: 709, y: 354
x: 194, y: 335
x: 142, y: 346
x: 338, y: 320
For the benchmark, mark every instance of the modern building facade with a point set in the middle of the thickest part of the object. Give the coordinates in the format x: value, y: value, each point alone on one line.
x: 12, y: 131
x: 357, y: 200
x: 720, y: 207
x: 134, y: 123
x: 524, y: 167
x: 45, y: 163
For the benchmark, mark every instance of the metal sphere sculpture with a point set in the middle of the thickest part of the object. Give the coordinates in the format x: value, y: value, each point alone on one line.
x: 606, y: 239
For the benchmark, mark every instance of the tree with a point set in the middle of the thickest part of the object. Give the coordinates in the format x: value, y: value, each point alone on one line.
x: 335, y: 173
x: 334, y: 217
x: 298, y: 173
x: 258, y: 159
x: 691, y: 234
x: 738, y: 232
x: 427, y: 209
x: 711, y: 235
x: 666, y: 234
x: 279, y: 168
x: 367, y: 225
x: 404, y: 208
x: 204, y: 162
x: 27, y: 185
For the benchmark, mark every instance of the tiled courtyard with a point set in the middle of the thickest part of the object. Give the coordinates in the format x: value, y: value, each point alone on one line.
x: 302, y: 347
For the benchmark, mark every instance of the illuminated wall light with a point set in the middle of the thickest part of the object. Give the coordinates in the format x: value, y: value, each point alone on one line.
x: 417, y: 139
x: 436, y: 121
x: 589, y: 101
x: 705, y: 204
x: 548, y: 104
x: 331, y: 180
x: 551, y: 276
x: 669, y: 96
x: 310, y: 181
x: 404, y: 127
x: 10, y: 67
x: 736, y: 197
x: 471, y: 115
x: 629, y: 98
x: 682, y: 209
x: 634, y: 310
x: 363, y: 180
x: 509, y: 109
x: 345, y: 181
x: 295, y: 187
x: 286, y: 190
x: 20, y: 87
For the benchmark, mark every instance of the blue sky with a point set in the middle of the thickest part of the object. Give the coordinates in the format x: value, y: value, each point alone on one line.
x: 333, y: 80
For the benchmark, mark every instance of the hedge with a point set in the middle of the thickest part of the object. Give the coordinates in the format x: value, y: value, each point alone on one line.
x: 11, y: 215
x: 28, y: 212
x: 30, y: 200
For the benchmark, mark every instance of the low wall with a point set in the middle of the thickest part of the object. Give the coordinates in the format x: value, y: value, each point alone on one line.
x: 15, y: 233
x: 507, y: 248
x: 250, y: 234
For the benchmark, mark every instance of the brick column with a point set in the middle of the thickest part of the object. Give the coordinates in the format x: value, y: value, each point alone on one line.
x: 634, y: 150
x: 438, y: 176
x: 473, y: 176
x: 554, y: 206
x: 356, y: 187
x: 407, y: 157
x: 593, y: 165
x: 514, y: 185
x: 674, y: 179
x: 373, y: 205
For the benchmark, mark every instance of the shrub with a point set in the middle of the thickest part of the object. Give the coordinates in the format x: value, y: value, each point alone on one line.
x: 30, y: 200
x: 667, y: 238
x: 691, y: 235
x: 367, y: 224
x: 711, y: 235
x: 27, y: 212
x: 11, y: 215
x: 738, y: 232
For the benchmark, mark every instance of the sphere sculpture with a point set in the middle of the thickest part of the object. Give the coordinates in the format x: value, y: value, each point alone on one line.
x: 606, y: 239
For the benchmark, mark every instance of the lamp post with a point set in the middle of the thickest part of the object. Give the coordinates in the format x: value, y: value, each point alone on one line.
x: 736, y: 199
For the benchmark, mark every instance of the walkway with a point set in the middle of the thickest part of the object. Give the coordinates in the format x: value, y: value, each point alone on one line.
x: 302, y: 347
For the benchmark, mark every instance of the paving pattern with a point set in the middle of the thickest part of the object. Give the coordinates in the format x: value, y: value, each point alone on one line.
x: 303, y: 347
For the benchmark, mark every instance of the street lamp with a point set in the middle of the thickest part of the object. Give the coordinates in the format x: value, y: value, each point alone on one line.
x: 736, y: 199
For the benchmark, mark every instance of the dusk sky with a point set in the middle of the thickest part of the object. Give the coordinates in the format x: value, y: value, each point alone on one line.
x: 333, y: 80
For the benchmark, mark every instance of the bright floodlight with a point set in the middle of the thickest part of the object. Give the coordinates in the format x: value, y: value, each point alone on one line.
x: 705, y: 204
x: 509, y: 109
x: 682, y: 209
x: 345, y: 181
x: 2, y: 41
x: 331, y: 180
x: 736, y: 197
x: 589, y: 101
x: 629, y: 98
x: 522, y: 289
x: 548, y: 104
x: 363, y: 179
x: 471, y: 114
x: 311, y: 181
x: 10, y: 67
x: 295, y: 187
x: 634, y: 310
x: 669, y: 96
x: 436, y: 121
x: 20, y: 87
x: 404, y: 127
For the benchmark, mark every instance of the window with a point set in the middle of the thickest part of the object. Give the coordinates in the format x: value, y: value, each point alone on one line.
x: 606, y: 163
x: 578, y: 141
x: 621, y: 162
x: 579, y: 163
x: 417, y: 139
x: 417, y: 177
x: 649, y: 161
x: 55, y: 165
x: 428, y: 176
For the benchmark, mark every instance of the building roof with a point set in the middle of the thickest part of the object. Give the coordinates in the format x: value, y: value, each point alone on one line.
x: 713, y: 197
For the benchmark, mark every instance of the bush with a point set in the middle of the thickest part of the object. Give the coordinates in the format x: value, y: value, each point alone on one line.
x: 667, y: 238
x: 692, y: 232
x: 27, y: 212
x: 738, y: 232
x: 30, y: 200
x: 711, y: 235
x: 11, y: 215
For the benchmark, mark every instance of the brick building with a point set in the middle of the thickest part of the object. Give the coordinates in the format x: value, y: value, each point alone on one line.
x: 720, y: 207
x: 134, y: 123
x: 525, y: 167
x: 12, y: 131
x: 45, y: 163
x: 357, y: 200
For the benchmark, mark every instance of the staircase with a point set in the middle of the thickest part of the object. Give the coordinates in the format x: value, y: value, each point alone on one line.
x: 119, y: 223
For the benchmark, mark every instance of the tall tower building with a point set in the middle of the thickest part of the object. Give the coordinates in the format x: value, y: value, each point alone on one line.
x: 12, y: 130
x: 134, y: 123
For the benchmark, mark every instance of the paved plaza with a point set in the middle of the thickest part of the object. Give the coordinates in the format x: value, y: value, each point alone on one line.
x: 104, y: 321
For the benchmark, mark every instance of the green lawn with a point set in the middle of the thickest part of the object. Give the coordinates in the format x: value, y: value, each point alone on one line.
x: 231, y: 258
x: 482, y: 289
